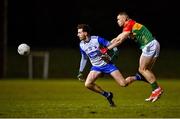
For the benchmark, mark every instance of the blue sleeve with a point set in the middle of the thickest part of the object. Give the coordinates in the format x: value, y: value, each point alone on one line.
x: 103, y: 41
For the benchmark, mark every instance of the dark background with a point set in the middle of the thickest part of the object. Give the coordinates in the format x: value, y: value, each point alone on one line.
x: 52, y: 23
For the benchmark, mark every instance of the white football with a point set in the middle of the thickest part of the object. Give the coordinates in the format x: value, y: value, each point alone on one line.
x: 23, y: 49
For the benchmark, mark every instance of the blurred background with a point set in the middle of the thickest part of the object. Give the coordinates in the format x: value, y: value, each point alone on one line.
x: 50, y: 26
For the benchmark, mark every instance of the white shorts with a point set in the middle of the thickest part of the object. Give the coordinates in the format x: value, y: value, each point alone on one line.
x: 152, y: 49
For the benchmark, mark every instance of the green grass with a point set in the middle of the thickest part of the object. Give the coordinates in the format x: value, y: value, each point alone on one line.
x: 69, y: 98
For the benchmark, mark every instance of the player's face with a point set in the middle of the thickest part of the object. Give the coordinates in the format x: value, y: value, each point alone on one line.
x: 81, y: 34
x: 121, y: 19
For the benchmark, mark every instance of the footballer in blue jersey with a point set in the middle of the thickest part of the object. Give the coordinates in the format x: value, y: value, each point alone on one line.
x: 101, y: 63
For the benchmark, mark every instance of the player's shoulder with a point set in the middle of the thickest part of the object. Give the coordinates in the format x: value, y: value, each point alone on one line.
x: 94, y: 37
x: 130, y: 22
x: 98, y: 38
x: 81, y: 43
x: 128, y: 25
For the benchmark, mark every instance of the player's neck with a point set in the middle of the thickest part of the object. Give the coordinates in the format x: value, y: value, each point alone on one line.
x: 87, y: 39
x: 126, y: 22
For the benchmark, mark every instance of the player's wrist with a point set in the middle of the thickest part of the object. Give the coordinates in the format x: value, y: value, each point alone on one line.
x: 80, y: 72
x: 80, y: 76
x: 104, y: 50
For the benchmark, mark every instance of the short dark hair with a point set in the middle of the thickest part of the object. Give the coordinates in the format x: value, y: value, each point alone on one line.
x: 84, y: 27
x: 124, y: 13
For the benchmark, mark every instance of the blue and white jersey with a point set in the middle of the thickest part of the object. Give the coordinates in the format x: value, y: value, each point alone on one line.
x: 91, y: 49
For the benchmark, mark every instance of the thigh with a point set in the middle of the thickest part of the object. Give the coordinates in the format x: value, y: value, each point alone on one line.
x: 92, y: 76
x: 118, y: 77
x: 152, y: 63
x: 117, y: 74
x: 146, y: 62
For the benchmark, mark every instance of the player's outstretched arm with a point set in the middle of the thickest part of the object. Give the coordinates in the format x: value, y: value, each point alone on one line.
x: 118, y: 40
x: 81, y: 68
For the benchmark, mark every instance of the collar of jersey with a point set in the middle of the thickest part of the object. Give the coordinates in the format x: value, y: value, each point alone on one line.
x: 87, y: 41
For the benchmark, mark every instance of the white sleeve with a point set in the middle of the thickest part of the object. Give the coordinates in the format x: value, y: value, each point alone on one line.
x: 115, y: 49
x: 83, y: 62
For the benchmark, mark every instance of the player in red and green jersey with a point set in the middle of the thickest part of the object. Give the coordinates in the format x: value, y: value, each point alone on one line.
x: 150, y: 51
x: 139, y: 33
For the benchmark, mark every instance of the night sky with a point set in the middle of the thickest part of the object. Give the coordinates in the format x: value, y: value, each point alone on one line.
x: 52, y: 23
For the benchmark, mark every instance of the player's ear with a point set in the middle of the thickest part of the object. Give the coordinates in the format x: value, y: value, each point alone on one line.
x: 86, y: 33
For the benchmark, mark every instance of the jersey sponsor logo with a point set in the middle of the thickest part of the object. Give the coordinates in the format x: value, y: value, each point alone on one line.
x: 93, y: 54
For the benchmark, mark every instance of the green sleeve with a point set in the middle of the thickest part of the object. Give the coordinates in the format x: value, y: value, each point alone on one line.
x: 114, y: 54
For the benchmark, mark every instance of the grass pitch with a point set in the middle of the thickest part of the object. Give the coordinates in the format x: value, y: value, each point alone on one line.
x: 67, y: 98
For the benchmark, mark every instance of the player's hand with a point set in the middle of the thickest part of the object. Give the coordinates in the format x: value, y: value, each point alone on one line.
x: 106, y: 58
x: 80, y: 76
x: 103, y: 50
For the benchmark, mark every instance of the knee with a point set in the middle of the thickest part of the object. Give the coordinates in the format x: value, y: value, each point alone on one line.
x: 123, y: 84
x: 141, y: 70
x: 88, y: 85
x: 129, y: 80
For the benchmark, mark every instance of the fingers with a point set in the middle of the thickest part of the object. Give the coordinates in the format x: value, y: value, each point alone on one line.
x: 81, y: 79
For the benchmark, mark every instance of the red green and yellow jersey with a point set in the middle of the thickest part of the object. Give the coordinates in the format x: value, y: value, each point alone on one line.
x: 141, y: 34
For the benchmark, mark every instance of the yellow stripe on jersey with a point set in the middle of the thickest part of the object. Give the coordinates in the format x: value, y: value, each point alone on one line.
x: 137, y: 26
